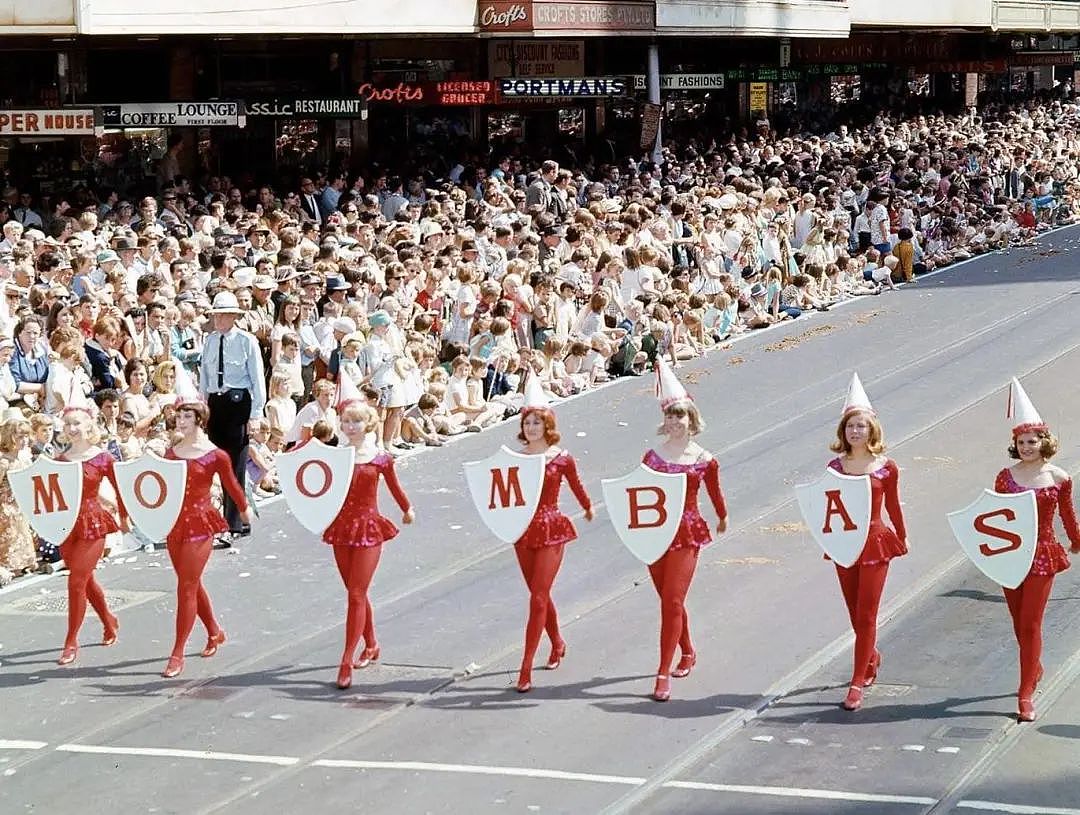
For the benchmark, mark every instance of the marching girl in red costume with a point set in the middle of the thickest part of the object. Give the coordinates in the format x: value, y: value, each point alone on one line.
x: 540, y: 550
x: 192, y: 537
x: 85, y: 544
x: 1033, y: 444
x: 359, y: 531
x: 860, y: 443
x: 673, y: 572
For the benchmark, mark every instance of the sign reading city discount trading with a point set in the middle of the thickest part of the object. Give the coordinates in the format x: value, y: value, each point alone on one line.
x: 173, y: 114
x: 61, y: 122
x: 578, y: 86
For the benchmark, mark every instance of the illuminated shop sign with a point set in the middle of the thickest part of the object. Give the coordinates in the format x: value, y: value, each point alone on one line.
x: 578, y: 86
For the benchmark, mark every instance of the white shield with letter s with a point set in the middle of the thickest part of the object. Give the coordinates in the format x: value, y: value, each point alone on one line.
x: 315, y: 479
x: 506, y: 487
x: 999, y: 532
x: 836, y: 508
x: 152, y: 489
x: 646, y: 508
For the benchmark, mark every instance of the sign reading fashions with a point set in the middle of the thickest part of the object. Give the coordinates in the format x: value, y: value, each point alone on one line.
x: 173, y: 114
x: 579, y: 86
x: 539, y: 58
x: 60, y: 122
x: 309, y: 108
x: 683, y: 82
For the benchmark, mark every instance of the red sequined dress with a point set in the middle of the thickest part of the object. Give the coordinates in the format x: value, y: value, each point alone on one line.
x: 693, y: 531
x: 94, y: 521
x: 1050, y: 556
x: 359, y: 522
x: 882, y: 543
x: 549, y: 527
x: 199, y: 518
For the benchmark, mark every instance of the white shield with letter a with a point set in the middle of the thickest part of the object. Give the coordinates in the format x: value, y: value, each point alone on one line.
x: 152, y: 489
x: 315, y: 479
x: 49, y: 493
x: 836, y: 508
x: 999, y: 533
x: 505, y: 488
x: 646, y: 508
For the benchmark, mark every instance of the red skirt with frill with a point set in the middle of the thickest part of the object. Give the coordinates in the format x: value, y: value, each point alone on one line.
x: 359, y: 529
x: 197, y: 523
x: 882, y: 545
x: 549, y: 527
x: 93, y: 523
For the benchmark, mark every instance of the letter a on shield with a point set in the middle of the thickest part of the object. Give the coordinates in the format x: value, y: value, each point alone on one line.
x: 646, y: 509
x: 152, y: 489
x: 49, y: 493
x: 506, y: 489
x: 836, y: 508
x: 998, y: 532
x: 315, y: 479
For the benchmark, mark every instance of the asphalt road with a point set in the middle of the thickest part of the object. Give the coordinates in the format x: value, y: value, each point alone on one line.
x: 436, y: 726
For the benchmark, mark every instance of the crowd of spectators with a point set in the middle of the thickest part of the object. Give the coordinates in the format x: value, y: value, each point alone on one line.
x: 436, y: 294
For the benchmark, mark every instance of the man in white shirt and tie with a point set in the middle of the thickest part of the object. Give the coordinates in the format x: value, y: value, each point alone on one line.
x: 231, y: 376
x: 309, y: 201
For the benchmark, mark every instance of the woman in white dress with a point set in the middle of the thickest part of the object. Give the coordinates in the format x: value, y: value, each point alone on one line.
x: 378, y: 364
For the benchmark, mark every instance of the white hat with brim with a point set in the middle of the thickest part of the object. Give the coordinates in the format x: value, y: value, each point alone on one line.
x: 225, y: 303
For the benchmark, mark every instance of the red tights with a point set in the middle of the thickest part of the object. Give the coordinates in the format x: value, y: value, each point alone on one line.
x: 356, y: 565
x: 81, y: 558
x: 189, y: 559
x: 540, y: 566
x: 1027, y: 602
x: 671, y: 575
x: 862, y: 587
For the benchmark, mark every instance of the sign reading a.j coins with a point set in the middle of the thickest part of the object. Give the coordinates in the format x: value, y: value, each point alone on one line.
x: 61, y: 122
x: 309, y: 108
x: 173, y: 114
x: 578, y: 86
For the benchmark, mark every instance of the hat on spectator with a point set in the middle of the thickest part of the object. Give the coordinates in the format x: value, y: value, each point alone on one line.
x: 857, y: 401
x: 12, y: 414
x: 310, y: 280
x: 264, y: 282
x: 1025, y: 419
x: 757, y: 290
x: 34, y: 235
x: 728, y: 201
x: 286, y: 273
x: 6, y: 342
x: 225, y: 303
x: 244, y: 276
x: 108, y: 256
x: 335, y: 283
x: 669, y: 390
x: 429, y: 228
x: 345, y: 325
x: 378, y: 318
x: 123, y: 244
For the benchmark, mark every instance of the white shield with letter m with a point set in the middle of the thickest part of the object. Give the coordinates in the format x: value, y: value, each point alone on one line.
x: 646, y: 508
x: 152, y: 489
x: 999, y: 533
x: 836, y: 508
x: 49, y: 493
x: 315, y: 479
x: 506, y: 489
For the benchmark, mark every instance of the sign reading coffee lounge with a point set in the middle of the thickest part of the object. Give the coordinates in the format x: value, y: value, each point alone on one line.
x: 577, y: 86
x: 173, y: 114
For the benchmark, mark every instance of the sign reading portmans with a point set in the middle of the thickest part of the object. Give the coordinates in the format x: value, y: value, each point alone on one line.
x: 577, y: 86
x: 173, y: 114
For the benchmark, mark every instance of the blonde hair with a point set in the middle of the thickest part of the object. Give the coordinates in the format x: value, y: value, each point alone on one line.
x: 8, y: 432
x: 159, y: 372
x: 875, y: 442
x: 357, y: 411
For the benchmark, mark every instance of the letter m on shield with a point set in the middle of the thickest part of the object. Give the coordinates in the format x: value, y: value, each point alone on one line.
x: 505, y: 489
x: 508, y: 488
x: 48, y: 498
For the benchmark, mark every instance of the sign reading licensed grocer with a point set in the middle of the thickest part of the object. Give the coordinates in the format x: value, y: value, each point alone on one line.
x: 173, y: 114
x: 576, y: 86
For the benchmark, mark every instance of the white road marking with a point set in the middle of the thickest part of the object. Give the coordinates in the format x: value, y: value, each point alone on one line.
x: 17, y: 744
x: 1016, y: 809
x: 168, y: 752
x: 477, y: 769
x: 913, y: 748
x: 800, y: 792
x: 765, y: 739
x: 800, y: 742
x: 952, y: 751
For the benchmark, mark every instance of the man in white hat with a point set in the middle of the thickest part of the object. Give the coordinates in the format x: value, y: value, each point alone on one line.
x: 231, y: 376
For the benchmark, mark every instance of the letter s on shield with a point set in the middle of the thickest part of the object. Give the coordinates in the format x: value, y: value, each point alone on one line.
x: 49, y: 494
x: 315, y: 479
x: 999, y: 533
x: 836, y: 508
x: 152, y: 489
x: 505, y: 488
x: 646, y: 508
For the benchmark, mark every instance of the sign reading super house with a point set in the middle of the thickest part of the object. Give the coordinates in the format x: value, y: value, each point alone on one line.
x: 173, y: 114
x: 578, y: 86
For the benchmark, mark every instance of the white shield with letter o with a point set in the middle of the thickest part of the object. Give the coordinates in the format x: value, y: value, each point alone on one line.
x: 152, y: 489
x: 315, y: 479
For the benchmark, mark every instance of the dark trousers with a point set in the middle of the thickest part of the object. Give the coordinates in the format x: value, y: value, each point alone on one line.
x: 227, y: 428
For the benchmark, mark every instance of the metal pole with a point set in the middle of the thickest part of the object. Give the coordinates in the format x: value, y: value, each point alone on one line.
x: 652, y: 81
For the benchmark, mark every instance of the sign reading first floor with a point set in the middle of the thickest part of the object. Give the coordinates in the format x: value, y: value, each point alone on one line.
x: 173, y: 114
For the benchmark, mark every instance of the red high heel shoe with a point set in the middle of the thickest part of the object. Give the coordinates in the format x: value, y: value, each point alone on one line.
x: 556, y: 658
x: 67, y: 656
x: 1025, y: 711
x: 213, y: 642
x: 871, y: 676
x: 686, y: 664
x: 174, y: 667
x: 524, y: 683
x: 344, y: 676
x: 112, y: 630
x: 853, y: 700
x: 367, y: 656
x: 662, y: 690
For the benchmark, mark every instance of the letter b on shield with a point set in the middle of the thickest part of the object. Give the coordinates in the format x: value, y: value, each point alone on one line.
x: 646, y: 508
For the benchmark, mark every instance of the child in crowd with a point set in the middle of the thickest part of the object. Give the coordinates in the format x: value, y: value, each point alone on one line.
x: 42, y: 432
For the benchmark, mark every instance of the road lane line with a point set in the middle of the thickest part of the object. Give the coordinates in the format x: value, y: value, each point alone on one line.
x: 1017, y: 809
x: 801, y: 792
x: 477, y: 769
x: 168, y: 752
x: 18, y: 744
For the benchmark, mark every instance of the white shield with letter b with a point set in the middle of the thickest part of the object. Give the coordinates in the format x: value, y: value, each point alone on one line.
x: 646, y: 508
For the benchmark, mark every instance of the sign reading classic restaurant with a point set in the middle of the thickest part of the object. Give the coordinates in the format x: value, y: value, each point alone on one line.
x: 61, y: 122
x: 577, y: 86
x: 312, y: 108
x: 173, y: 114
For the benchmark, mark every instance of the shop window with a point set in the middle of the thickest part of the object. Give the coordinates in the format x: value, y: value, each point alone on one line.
x: 845, y: 89
x: 297, y: 141
x: 505, y: 125
x: 572, y: 123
